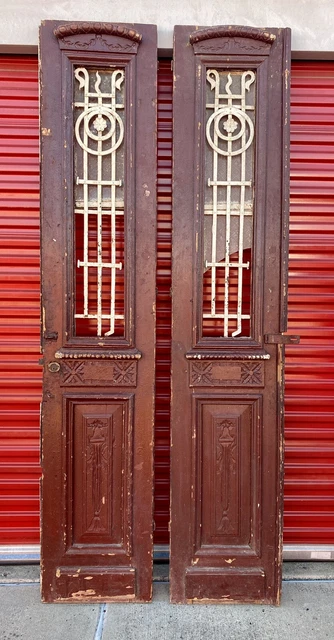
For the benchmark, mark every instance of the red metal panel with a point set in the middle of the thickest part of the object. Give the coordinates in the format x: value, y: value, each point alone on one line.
x: 309, y: 483
x: 163, y: 310
x: 309, y: 468
x: 20, y: 375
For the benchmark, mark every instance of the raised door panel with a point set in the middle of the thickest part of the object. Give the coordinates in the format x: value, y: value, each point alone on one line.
x: 228, y: 440
x: 100, y: 445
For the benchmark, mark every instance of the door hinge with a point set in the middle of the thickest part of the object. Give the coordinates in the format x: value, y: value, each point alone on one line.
x: 278, y: 338
x: 50, y: 335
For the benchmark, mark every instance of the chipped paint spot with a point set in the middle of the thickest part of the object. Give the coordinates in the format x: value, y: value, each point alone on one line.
x: 287, y: 76
x: 83, y: 594
x: 58, y: 573
x: 46, y: 132
x: 230, y: 560
x: 43, y: 320
x: 147, y: 192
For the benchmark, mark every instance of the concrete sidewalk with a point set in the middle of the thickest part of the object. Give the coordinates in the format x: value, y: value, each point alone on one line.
x: 306, y: 612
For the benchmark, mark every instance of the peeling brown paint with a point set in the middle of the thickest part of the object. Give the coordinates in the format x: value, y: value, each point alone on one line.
x: 287, y: 79
x: 83, y: 594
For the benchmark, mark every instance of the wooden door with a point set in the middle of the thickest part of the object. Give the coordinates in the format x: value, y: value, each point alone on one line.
x: 98, y: 122
x: 230, y: 232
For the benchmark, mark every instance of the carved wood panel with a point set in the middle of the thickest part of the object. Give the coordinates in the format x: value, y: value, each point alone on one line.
x: 119, y: 373
x: 226, y: 374
x: 228, y: 486
x: 100, y: 444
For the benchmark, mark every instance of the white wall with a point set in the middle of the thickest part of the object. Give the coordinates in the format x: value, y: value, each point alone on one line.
x: 311, y: 21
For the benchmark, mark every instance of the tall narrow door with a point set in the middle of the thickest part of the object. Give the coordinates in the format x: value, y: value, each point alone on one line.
x: 98, y: 123
x: 231, y: 124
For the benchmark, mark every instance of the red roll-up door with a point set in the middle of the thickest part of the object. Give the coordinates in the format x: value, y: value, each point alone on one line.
x: 309, y: 467
x: 164, y: 302
x: 20, y: 375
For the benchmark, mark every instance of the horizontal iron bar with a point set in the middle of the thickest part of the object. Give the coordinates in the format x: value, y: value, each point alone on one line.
x: 222, y: 315
x: 233, y: 212
x: 227, y: 264
x: 104, y: 212
x: 278, y: 338
x: 225, y: 96
x: 104, y: 316
x: 104, y: 265
x: 94, y: 105
x: 229, y: 183
x: 103, y: 183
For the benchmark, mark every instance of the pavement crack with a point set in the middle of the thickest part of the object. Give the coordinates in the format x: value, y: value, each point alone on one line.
x: 100, y: 622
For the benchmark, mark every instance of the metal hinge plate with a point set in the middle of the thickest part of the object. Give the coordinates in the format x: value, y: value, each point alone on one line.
x: 278, y: 338
x: 50, y: 335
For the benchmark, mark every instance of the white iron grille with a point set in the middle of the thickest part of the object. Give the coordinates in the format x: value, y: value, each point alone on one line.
x: 99, y: 133
x: 230, y: 134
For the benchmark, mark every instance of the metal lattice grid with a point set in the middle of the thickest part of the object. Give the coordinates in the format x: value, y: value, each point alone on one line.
x: 99, y: 171
x: 229, y: 191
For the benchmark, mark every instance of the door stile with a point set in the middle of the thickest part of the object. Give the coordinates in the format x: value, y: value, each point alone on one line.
x: 230, y: 98
x: 98, y: 306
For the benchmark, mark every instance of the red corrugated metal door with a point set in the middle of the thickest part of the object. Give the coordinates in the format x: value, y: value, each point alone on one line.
x: 309, y: 468
x: 309, y: 485
x: 20, y: 376
x: 164, y: 303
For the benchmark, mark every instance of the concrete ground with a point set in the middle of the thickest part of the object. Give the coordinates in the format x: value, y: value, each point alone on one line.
x: 306, y: 612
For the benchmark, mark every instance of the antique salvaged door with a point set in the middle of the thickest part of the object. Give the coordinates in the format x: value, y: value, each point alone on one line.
x: 231, y: 128
x: 98, y: 119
